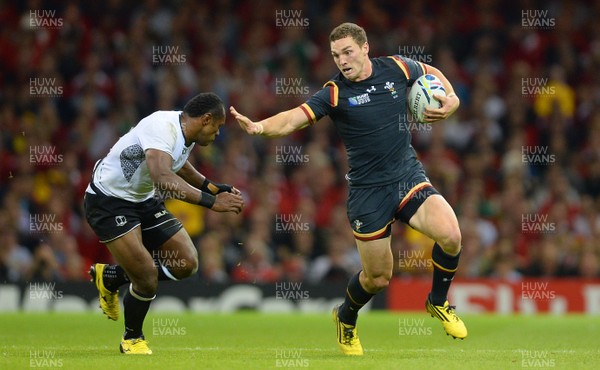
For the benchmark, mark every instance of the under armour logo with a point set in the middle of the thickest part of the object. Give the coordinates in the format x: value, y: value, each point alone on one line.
x: 446, y: 279
x: 371, y: 89
x: 120, y: 220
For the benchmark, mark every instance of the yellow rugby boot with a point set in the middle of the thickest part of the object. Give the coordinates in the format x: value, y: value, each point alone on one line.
x: 109, y: 301
x: 135, y: 346
x: 347, y: 336
x: 453, y: 325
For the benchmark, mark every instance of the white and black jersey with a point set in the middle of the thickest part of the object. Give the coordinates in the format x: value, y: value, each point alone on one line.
x: 123, y: 173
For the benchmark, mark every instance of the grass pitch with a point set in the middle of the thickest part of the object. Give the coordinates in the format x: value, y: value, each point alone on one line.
x: 251, y: 340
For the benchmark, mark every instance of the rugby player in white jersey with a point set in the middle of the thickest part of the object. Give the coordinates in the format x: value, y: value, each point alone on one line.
x: 123, y: 206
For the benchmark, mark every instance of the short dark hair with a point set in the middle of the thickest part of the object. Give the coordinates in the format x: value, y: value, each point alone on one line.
x: 205, y: 103
x: 355, y: 31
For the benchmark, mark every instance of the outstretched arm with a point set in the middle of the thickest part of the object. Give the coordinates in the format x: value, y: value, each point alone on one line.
x: 450, y: 102
x: 278, y: 125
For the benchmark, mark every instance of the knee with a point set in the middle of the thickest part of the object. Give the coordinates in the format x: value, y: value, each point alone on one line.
x: 451, y: 241
x: 190, y: 268
x: 184, y: 267
x: 376, y: 282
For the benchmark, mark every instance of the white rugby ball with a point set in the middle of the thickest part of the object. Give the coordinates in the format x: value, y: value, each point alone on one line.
x: 421, y: 93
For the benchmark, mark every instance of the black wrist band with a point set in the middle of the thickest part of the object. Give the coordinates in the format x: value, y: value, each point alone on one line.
x: 207, y: 200
x: 204, y: 186
x: 210, y: 187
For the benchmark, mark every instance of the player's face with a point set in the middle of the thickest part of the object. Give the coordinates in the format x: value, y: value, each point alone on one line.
x: 350, y: 58
x: 208, y: 128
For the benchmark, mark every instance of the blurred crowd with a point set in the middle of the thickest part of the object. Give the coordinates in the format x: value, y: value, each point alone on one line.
x: 519, y: 161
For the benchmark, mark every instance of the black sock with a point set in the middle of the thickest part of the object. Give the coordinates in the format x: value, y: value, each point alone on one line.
x: 114, y: 276
x: 136, y: 307
x: 356, y: 298
x: 444, y: 268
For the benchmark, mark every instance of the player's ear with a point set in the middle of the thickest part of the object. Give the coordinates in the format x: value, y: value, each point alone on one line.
x: 366, y: 47
x: 206, y: 119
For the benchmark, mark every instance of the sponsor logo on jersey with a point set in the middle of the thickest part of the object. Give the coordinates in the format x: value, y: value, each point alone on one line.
x: 359, y: 99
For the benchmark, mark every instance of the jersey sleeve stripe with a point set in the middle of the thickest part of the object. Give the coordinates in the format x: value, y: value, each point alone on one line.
x: 423, y: 67
x: 312, y: 118
x: 333, y: 93
x: 402, y: 66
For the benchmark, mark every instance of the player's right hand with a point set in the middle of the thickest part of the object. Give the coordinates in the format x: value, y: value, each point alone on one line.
x: 228, y: 202
x: 449, y: 105
x: 246, y: 124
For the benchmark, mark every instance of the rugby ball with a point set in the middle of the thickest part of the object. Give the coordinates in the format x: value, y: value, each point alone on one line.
x: 421, y: 93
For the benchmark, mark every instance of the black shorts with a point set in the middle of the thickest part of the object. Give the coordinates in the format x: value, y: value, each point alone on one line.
x: 371, y: 211
x: 112, y: 218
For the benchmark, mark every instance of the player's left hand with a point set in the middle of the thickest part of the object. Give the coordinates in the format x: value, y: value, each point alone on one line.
x: 449, y: 105
x: 228, y: 202
x: 246, y: 124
